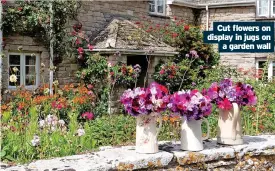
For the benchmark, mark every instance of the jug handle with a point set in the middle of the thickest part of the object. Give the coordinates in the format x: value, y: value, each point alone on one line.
x: 207, y: 124
x: 160, y: 124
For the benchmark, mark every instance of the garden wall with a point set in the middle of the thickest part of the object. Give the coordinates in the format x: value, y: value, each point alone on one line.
x: 257, y: 153
x: 239, y: 60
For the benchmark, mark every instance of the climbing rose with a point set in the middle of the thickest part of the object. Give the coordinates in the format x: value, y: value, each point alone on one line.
x: 80, y: 50
x: 186, y: 27
x: 90, y: 47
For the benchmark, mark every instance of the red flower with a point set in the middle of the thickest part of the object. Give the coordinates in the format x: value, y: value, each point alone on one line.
x: 137, y: 22
x: 186, y: 27
x: 3, y: 1
x: 162, y: 72
x: 174, y: 35
x: 175, y: 18
x: 225, y: 104
x: 90, y: 47
x: 80, y: 50
x: 20, y: 8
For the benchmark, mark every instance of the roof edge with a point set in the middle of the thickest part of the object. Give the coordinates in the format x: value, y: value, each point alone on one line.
x: 134, y: 52
x: 211, y: 5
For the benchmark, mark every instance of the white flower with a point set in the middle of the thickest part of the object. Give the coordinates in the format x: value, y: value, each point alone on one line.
x: 61, y: 122
x: 13, y: 78
x: 109, y: 64
x: 51, y: 120
x: 153, y: 90
x: 41, y: 123
x: 55, y: 82
x: 35, y: 141
x: 15, y: 69
x: 42, y: 65
x: 46, y: 91
x: 80, y: 132
x: 214, y: 67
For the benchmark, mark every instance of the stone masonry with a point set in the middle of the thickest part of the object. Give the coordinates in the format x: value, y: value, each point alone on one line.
x: 257, y: 153
x: 95, y: 16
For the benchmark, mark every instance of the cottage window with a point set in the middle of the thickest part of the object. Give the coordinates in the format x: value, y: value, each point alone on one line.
x: 265, y: 8
x: 260, y: 66
x: 28, y: 69
x: 157, y: 7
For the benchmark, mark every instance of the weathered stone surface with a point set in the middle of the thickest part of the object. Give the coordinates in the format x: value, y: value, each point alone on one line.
x: 257, y: 153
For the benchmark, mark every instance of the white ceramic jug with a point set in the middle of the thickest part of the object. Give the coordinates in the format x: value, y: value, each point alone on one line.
x: 191, y: 134
x: 229, y: 126
x: 147, y: 133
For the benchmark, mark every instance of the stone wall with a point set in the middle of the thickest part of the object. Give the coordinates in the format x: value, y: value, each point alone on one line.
x: 244, y: 60
x: 97, y: 14
x: 257, y: 153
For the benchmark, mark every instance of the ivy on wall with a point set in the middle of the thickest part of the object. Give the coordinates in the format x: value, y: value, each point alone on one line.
x: 32, y: 18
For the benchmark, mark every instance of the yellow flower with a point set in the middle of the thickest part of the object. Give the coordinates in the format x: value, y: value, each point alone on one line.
x: 55, y: 82
x: 131, y: 70
x: 13, y: 78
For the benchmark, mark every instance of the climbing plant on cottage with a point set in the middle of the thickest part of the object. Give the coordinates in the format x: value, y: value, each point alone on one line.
x: 32, y: 18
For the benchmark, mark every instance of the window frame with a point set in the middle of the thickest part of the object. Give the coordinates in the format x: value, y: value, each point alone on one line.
x: 272, y: 8
x: 269, y: 69
x: 23, y: 70
x: 156, y: 8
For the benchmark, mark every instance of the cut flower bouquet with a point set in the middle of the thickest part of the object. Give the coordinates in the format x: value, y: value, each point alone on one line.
x: 226, y: 92
x: 142, y: 101
x: 190, y: 104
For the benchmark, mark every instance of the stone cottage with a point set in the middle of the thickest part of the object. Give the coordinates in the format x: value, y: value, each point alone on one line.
x: 110, y: 21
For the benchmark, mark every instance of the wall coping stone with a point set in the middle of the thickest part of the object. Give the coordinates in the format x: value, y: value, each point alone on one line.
x: 170, y: 156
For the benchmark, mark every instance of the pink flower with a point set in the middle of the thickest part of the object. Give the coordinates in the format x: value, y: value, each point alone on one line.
x: 90, y: 47
x: 90, y: 86
x: 3, y: 1
x: 80, y: 50
x: 77, y: 42
x: 88, y: 115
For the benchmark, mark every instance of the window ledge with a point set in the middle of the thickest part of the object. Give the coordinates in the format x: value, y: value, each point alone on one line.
x: 265, y: 18
x: 158, y: 15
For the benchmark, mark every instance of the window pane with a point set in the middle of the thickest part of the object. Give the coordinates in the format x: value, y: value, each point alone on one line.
x: 14, y: 59
x: 30, y: 80
x: 263, y: 7
x: 152, y: 6
x: 262, y: 64
x: 273, y: 7
x: 30, y: 60
x: 30, y: 70
x: 160, y: 6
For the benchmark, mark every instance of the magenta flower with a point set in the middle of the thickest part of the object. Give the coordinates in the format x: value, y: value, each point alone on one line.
x: 90, y: 47
x: 88, y: 115
x: 80, y: 50
x: 190, y: 104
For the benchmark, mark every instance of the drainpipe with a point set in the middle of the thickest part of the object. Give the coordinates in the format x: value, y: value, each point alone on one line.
x: 207, y: 17
x: 1, y: 42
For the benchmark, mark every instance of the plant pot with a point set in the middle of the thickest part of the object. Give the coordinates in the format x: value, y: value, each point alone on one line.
x: 147, y: 133
x: 229, y: 126
x: 191, y: 134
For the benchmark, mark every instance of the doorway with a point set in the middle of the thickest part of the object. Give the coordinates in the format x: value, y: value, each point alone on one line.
x: 142, y: 61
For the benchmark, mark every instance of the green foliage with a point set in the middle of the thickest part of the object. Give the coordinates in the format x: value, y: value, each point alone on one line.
x: 193, y: 58
x: 32, y: 18
x: 17, y: 145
